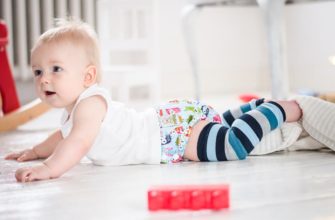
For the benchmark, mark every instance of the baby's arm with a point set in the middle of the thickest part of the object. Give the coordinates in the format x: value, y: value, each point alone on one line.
x: 42, y: 150
x: 87, y: 120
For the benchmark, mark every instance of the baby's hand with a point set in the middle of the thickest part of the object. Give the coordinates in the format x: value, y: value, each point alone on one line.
x: 24, y: 155
x: 29, y: 174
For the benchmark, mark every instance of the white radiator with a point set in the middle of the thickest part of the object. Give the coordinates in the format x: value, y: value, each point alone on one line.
x: 27, y: 19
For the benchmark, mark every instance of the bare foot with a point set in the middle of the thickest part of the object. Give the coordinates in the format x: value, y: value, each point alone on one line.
x: 292, y: 110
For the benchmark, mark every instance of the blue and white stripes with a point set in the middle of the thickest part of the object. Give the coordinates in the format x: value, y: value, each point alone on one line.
x: 229, y: 116
x: 221, y: 142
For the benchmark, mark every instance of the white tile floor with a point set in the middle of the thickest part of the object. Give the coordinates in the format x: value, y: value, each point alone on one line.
x: 285, y: 185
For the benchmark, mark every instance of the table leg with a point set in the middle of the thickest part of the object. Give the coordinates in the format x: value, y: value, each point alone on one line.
x: 276, y: 34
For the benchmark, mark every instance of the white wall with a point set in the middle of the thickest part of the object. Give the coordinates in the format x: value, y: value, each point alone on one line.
x: 232, y: 49
x: 311, y: 40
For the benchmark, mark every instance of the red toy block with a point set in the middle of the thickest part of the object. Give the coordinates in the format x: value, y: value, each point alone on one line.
x: 191, y: 197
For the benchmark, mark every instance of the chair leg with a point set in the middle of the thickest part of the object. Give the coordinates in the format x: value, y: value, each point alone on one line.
x: 275, y: 24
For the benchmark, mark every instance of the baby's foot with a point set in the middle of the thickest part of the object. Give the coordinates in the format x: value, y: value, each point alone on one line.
x: 292, y: 110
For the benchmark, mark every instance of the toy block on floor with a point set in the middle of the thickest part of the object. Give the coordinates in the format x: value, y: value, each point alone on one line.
x: 191, y: 197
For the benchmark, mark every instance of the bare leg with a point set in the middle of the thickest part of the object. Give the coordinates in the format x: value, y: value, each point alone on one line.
x: 191, y: 147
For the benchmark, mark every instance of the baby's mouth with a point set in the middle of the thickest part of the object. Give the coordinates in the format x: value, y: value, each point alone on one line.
x: 49, y: 93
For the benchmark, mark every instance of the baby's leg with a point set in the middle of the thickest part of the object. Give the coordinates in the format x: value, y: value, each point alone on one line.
x: 215, y: 142
x: 229, y: 116
x: 191, y: 147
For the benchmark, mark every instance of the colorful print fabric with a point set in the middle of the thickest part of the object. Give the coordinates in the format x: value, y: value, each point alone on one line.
x: 176, y: 119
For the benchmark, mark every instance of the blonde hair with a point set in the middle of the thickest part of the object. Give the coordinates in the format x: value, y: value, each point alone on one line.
x: 78, y: 32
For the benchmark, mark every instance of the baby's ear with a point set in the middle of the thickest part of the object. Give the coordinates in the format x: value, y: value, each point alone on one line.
x: 90, y: 76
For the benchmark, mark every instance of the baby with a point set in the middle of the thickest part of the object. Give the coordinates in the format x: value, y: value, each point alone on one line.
x: 66, y: 67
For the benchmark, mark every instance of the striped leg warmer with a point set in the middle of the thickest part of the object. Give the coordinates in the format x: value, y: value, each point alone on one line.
x: 229, y: 116
x: 218, y: 142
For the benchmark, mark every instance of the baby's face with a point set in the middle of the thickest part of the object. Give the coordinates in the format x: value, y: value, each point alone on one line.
x: 59, y: 70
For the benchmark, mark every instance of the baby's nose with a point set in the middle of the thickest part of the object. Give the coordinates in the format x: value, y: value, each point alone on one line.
x: 45, y: 78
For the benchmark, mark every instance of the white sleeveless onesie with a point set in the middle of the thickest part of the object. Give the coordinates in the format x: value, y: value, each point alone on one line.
x: 125, y: 137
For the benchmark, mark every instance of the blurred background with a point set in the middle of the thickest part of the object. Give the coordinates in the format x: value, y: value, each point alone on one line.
x: 144, y: 45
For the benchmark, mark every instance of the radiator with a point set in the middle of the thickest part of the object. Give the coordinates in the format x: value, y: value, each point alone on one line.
x: 27, y: 19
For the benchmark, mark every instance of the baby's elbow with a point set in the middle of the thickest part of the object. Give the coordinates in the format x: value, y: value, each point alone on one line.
x: 85, y: 146
x: 80, y: 146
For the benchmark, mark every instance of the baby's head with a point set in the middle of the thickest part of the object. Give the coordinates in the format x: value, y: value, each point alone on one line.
x: 65, y: 61
x: 75, y: 32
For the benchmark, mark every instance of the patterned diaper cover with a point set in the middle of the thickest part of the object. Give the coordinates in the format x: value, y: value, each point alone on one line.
x: 176, y: 119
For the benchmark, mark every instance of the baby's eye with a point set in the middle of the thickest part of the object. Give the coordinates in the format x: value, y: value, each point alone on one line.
x: 37, y: 72
x: 56, y: 69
